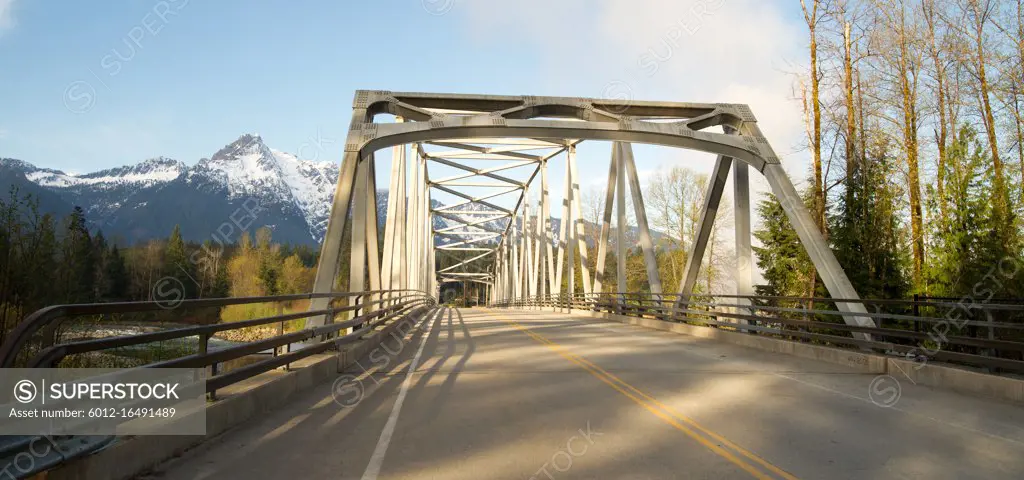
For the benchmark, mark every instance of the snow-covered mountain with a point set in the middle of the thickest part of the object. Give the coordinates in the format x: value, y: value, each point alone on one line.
x: 211, y: 200
x: 250, y: 169
x: 241, y: 187
x: 104, y: 192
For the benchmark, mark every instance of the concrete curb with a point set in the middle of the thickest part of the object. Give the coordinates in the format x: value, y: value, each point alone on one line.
x: 958, y: 380
x: 931, y: 375
x: 132, y: 456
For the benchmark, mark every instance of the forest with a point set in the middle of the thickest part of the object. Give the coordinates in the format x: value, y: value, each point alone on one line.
x: 914, y: 127
x: 46, y: 260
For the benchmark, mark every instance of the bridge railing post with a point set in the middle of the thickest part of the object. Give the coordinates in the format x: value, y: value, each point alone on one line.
x: 204, y: 346
x: 330, y: 316
x: 357, y: 302
x: 917, y: 313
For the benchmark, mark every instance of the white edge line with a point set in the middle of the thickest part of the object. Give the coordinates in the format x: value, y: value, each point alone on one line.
x: 377, y: 460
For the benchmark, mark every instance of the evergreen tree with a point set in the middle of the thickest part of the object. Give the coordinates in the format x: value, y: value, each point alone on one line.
x: 41, y: 291
x: 269, y: 267
x: 305, y: 253
x: 781, y: 256
x: 866, y: 232
x: 78, y: 262
x: 116, y: 287
x: 221, y: 287
x: 99, y: 282
x: 177, y: 263
x: 268, y: 275
x: 973, y: 240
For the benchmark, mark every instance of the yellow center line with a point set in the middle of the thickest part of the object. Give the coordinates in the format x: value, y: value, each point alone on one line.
x: 672, y: 417
x: 694, y: 424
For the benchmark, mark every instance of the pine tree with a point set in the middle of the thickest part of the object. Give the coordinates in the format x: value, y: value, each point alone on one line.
x: 866, y: 231
x: 11, y: 298
x: 116, y: 277
x: 177, y: 263
x: 99, y: 249
x: 781, y: 257
x: 78, y: 262
x: 269, y: 269
x: 221, y: 287
x: 41, y: 291
x: 973, y: 239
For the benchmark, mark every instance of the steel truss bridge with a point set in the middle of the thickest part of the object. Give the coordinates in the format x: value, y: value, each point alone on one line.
x: 529, y: 131
x: 549, y: 381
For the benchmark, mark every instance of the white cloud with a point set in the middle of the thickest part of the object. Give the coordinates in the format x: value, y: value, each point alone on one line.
x: 734, y: 51
x: 6, y: 15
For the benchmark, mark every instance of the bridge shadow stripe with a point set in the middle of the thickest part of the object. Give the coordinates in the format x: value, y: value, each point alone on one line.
x: 662, y: 411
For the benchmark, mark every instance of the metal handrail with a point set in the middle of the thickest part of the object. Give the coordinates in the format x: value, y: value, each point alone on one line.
x: 933, y: 302
x: 392, y: 304
x: 50, y: 356
x: 49, y: 317
x: 755, y: 318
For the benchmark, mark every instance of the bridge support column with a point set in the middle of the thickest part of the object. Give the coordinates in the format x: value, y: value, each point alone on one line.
x: 364, y: 233
x: 393, y: 269
x: 570, y: 247
x: 646, y: 243
x: 570, y: 260
x: 432, y: 258
x: 372, y: 237
x: 412, y: 233
x: 548, y: 286
x: 517, y: 263
x: 712, y: 198
x: 565, y: 242
x: 427, y: 241
x: 606, y: 226
x: 529, y: 240
x: 524, y: 251
x: 580, y: 227
x: 744, y: 254
x: 620, y: 234
x: 330, y: 252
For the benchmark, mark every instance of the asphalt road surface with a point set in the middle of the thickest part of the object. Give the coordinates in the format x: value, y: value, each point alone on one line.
x: 506, y: 394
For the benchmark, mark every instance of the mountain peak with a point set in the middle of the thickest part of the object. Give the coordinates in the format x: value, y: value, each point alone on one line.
x: 16, y: 164
x: 247, y: 144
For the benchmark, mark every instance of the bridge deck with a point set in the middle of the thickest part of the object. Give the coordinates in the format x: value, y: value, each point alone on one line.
x: 512, y: 394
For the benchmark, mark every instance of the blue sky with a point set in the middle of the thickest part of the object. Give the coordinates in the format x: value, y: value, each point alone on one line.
x: 92, y: 85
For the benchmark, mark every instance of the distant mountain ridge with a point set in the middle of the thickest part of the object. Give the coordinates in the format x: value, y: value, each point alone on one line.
x: 244, y: 185
x: 241, y: 187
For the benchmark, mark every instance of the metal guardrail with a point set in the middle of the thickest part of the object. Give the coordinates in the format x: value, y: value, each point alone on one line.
x: 977, y: 334
x: 36, y: 343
